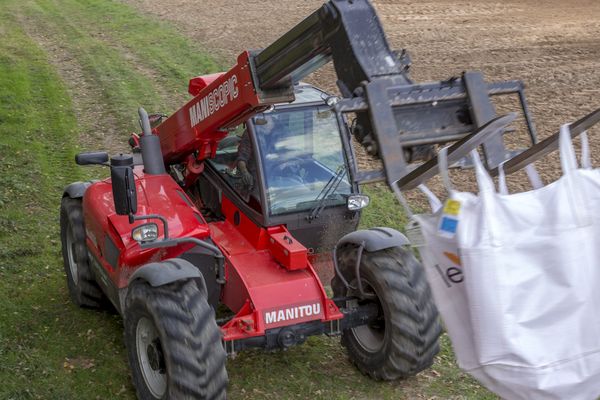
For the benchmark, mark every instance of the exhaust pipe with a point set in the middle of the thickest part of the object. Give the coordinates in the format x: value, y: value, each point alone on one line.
x: 150, y: 145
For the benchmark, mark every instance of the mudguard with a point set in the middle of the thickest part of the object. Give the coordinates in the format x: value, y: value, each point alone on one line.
x: 375, y: 239
x: 76, y: 189
x: 167, y: 271
x: 370, y: 240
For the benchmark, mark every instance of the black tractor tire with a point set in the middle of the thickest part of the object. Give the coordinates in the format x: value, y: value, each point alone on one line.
x: 83, y: 289
x: 180, y: 354
x: 404, y: 339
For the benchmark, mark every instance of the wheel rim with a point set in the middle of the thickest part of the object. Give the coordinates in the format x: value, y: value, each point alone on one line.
x: 71, y: 256
x: 372, y: 336
x: 150, y: 357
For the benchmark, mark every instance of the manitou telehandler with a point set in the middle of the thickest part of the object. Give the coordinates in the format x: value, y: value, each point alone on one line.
x: 234, y: 202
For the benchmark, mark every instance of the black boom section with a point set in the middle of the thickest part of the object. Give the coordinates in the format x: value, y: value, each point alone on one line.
x: 360, y: 49
x: 349, y: 32
x: 392, y: 113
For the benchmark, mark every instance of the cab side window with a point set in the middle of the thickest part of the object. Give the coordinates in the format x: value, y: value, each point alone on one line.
x: 227, y: 150
x: 232, y: 150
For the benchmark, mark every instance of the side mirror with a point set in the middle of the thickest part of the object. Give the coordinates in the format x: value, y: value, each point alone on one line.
x: 123, y: 185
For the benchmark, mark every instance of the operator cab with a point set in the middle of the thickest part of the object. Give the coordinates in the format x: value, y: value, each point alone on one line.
x: 301, y: 154
x: 300, y: 161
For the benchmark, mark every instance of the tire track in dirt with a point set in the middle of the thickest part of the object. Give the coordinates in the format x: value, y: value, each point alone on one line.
x: 70, y: 49
x: 97, y: 126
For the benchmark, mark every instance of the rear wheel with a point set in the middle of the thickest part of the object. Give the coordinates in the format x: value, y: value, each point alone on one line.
x: 83, y: 289
x: 173, y: 342
x: 403, y: 340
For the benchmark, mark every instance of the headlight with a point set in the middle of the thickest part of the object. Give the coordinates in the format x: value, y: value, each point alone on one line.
x: 145, y: 233
x: 332, y: 101
x: 357, y: 202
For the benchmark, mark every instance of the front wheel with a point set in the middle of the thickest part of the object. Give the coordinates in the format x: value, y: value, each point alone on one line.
x: 173, y: 342
x: 403, y: 340
x: 83, y: 289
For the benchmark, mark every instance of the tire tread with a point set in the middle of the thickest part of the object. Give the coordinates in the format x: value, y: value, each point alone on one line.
x: 86, y: 293
x: 194, y: 354
x: 413, y: 317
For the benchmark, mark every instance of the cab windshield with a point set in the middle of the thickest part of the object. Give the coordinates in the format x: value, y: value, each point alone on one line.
x: 302, y: 159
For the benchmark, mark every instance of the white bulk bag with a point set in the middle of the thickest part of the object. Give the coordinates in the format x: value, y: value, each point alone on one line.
x: 520, y: 304
x: 531, y: 263
x: 438, y: 248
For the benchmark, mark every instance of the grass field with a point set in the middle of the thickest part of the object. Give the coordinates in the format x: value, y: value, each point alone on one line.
x: 72, y: 73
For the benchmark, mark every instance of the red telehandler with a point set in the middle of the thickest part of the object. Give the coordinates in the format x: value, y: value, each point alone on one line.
x: 230, y: 203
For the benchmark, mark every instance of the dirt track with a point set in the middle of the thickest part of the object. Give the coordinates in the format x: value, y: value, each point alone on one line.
x: 552, y: 45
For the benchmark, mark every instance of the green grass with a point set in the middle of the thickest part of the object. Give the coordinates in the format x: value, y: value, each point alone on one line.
x: 50, y: 349
x: 39, y: 329
x: 126, y: 60
x: 383, y: 209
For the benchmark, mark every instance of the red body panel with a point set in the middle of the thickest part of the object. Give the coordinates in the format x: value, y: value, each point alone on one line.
x: 264, y: 291
x: 269, y: 280
x: 156, y: 194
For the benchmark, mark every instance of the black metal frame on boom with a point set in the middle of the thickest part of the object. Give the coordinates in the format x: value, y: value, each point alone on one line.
x: 392, y: 112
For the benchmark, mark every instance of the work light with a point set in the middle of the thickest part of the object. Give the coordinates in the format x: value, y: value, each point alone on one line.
x: 357, y: 202
x: 145, y: 233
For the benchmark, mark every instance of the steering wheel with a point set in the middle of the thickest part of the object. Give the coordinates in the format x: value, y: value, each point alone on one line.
x: 288, y: 169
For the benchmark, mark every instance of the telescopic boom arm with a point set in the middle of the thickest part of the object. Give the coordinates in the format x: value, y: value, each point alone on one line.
x: 392, y: 113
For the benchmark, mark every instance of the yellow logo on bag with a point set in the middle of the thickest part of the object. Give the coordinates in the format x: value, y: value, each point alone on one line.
x: 452, y: 207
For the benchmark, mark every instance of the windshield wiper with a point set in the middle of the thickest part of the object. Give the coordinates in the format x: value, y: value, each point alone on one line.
x: 329, y: 188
